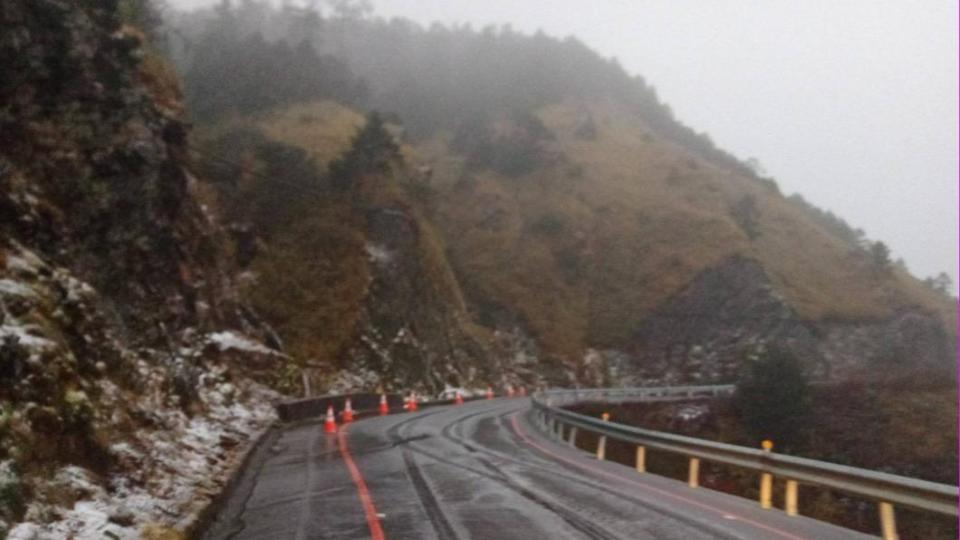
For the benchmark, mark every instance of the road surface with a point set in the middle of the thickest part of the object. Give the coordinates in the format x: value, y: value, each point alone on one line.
x: 479, y: 470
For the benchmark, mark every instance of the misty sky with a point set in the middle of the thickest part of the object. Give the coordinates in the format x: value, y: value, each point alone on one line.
x: 852, y: 103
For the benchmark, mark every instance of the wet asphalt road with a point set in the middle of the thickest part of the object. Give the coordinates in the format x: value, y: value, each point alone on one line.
x: 479, y: 470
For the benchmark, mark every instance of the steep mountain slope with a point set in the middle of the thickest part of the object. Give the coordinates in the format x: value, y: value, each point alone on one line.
x: 121, y: 348
x: 624, y: 240
x: 350, y: 271
x: 592, y: 237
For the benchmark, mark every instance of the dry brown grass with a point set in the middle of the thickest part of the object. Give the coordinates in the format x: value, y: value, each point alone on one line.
x: 642, y: 217
x: 311, y: 283
x: 312, y: 279
x: 162, y: 81
x: 632, y: 220
x: 160, y: 532
x: 323, y: 129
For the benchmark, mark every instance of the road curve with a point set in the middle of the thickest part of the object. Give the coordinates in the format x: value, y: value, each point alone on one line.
x: 479, y: 470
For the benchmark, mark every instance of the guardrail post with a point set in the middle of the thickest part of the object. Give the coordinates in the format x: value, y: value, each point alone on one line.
x: 766, y: 479
x: 766, y: 491
x: 790, y: 505
x: 693, y: 479
x: 602, y: 443
x: 641, y: 459
x: 573, y: 436
x: 888, y: 521
x: 559, y: 430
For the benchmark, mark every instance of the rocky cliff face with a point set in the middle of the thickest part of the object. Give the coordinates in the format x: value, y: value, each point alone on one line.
x: 703, y: 333
x: 414, y: 331
x: 120, y: 328
x: 585, y: 225
x: 92, y: 169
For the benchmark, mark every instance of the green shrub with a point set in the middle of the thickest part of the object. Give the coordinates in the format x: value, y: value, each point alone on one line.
x: 773, y: 398
x: 12, y: 497
x: 77, y: 411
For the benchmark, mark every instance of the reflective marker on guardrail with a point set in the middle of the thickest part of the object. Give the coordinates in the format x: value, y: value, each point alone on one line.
x: 766, y: 480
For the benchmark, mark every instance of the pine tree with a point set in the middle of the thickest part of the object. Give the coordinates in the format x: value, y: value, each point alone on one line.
x: 773, y: 399
x: 880, y: 255
x: 372, y: 150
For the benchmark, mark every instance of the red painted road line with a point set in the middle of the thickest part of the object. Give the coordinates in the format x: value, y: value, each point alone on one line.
x: 373, y: 522
x: 721, y: 513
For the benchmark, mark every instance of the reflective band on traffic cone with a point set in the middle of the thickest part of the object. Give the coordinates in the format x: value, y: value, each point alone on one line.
x: 330, y: 425
x: 347, y: 412
x: 458, y: 399
x: 384, y: 408
x: 489, y: 393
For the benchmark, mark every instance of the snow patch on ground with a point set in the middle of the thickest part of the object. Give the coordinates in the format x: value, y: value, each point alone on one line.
x: 22, y: 333
x: 346, y: 382
x: 378, y: 254
x: 167, y: 474
x: 692, y: 412
x: 25, y: 262
x: 450, y: 392
x: 228, y: 340
x: 15, y: 288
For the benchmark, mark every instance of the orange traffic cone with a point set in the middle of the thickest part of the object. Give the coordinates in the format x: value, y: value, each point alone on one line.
x: 384, y: 408
x: 347, y: 412
x: 330, y: 425
x: 457, y: 398
x: 523, y: 391
x: 489, y: 393
x: 509, y: 390
x: 413, y: 401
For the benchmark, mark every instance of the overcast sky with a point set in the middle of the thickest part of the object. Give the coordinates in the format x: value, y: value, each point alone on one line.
x: 851, y: 103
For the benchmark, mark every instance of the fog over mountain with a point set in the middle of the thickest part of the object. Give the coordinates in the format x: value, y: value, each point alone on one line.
x: 852, y: 104
x: 260, y: 210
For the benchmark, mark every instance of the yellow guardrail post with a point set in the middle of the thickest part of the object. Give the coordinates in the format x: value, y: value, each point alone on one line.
x: 602, y: 447
x: 888, y: 521
x: 693, y: 479
x: 602, y: 443
x: 641, y: 459
x: 790, y: 504
x: 766, y: 480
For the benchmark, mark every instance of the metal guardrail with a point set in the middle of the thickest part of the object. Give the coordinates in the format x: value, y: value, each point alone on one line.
x: 887, y: 489
x: 643, y: 393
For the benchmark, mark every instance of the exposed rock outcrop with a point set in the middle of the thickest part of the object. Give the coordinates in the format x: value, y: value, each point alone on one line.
x: 414, y: 330
x: 117, y: 407
x: 703, y: 333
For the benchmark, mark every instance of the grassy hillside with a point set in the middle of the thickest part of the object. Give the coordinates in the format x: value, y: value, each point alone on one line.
x: 313, y: 275
x: 581, y: 250
x: 556, y: 192
x: 587, y: 245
